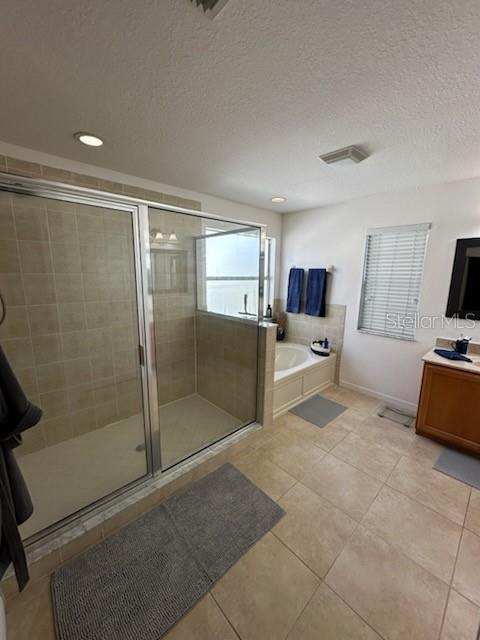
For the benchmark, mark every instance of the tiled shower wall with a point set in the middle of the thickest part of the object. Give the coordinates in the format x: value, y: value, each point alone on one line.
x: 174, y: 304
x: 227, y: 363
x: 43, y: 334
x: 302, y: 329
x: 66, y: 272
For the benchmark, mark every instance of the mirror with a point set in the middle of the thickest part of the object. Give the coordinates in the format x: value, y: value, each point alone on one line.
x: 464, y: 296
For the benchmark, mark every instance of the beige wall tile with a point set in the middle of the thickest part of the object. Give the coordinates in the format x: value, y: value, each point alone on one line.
x: 31, y: 223
x: 15, y: 324
x: 11, y: 285
x: 47, y: 348
x: 35, y: 257
x: 9, y: 259
x: 39, y: 289
x: 43, y: 319
x: 51, y: 377
x: 19, y: 351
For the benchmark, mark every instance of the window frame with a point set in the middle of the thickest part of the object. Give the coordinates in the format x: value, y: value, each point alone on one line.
x: 268, y: 277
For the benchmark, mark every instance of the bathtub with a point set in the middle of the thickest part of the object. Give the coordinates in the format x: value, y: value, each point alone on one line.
x: 299, y: 374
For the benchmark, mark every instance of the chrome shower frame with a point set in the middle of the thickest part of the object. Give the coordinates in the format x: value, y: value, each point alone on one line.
x: 139, y: 210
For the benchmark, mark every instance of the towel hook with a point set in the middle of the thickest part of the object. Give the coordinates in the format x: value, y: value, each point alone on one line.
x: 3, y: 311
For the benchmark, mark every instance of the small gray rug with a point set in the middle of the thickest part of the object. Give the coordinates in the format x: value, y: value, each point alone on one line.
x: 318, y: 410
x: 139, y: 582
x: 460, y: 466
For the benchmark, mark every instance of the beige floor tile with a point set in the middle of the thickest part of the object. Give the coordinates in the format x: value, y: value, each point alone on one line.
x: 462, y: 619
x: 472, y: 520
x: 270, y: 478
x: 367, y: 456
x: 349, y: 420
x: 396, y: 596
x: 29, y: 615
x: 263, y: 594
x: 432, y: 488
x: 422, y: 534
x: 204, y: 622
x: 327, y: 617
x: 313, y: 529
x: 467, y: 575
x: 346, y: 487
x: 387, y: 433
x: 294, y: 456
x: 325, y: 438
x: 424, y: 450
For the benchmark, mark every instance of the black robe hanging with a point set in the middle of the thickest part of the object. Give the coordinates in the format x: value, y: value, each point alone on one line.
x: 17, y: 414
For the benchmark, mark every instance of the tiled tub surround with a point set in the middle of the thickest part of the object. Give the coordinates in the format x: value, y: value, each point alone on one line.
x: 302, y: 329
x: 67, y: 275
x: 375, y: 544
x: 301, y: 381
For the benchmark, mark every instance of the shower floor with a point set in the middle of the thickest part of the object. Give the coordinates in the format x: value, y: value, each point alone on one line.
x: 190, y: 424
x: 70, y: 475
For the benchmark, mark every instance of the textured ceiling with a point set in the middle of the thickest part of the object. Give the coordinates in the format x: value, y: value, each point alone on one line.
x: 242, y: 105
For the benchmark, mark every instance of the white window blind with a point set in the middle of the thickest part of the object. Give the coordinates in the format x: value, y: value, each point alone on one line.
x: 392, y: 280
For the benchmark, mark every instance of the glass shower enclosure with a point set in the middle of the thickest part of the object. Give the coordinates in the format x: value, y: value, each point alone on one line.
x: 134, y: 327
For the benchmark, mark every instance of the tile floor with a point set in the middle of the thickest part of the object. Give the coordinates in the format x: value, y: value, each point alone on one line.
x: 374, y: 544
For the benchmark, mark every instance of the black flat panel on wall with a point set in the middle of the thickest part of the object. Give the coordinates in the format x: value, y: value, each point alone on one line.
x: 464, y: 296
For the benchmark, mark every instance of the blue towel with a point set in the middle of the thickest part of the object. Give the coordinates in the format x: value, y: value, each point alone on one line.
x: 451, y: 355
x: 316, y: 292
x: 295, y: 286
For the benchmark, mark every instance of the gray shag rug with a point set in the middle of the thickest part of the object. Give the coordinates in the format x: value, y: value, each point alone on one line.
x: 139, y: 582
x: 318, y: 410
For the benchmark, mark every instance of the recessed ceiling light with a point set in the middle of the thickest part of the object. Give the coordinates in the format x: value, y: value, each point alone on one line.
x: 344, y: 157
x: 278, y: 199
x: 88, y: 138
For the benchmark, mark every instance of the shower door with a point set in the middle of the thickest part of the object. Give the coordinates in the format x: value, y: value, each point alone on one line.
x: 206, y: 298
x: 68, y: 276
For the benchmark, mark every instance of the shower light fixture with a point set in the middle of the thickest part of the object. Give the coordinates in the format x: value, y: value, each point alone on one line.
x: 88, y: 138
x: 159, y: 235
x: 278, y: 199
x: 173, y: 236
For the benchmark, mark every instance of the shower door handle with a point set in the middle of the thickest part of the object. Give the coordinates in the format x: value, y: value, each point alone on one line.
x: 141, y: 355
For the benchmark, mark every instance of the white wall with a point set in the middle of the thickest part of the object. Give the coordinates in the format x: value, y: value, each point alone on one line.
x: 210, y: 204
x: 336, y: 235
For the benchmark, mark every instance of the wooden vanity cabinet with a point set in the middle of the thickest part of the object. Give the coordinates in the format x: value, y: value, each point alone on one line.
x: 449, y: 407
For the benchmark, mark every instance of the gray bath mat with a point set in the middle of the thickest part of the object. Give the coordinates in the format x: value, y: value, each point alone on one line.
x: 318, y: 410
x: 139, y: 582
x: 460, y: 466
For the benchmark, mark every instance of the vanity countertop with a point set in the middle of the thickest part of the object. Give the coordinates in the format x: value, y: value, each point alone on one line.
x: 472, y: 367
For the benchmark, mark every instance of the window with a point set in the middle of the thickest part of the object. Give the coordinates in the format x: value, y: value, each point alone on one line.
x: 392, y: 280
x: 227, y: 268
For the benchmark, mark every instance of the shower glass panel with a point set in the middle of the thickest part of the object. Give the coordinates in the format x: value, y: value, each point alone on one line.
x: 67, y: 272
x: 205, y: 284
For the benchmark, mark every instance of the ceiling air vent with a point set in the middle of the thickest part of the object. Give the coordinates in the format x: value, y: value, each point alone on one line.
x: 211, y: 8
x: 346, y: 156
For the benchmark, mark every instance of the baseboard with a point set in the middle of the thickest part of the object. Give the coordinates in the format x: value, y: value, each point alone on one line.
x: 390, y: 400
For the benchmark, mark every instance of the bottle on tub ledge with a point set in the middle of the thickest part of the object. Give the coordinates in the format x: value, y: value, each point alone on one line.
x: 320, y: 347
